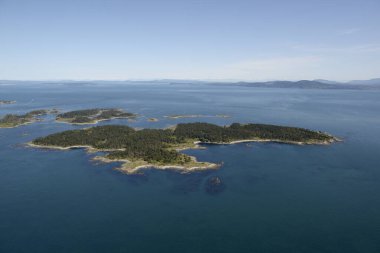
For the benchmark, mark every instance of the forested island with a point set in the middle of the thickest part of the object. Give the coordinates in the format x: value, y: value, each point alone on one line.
x: 158, y: 148
x: 93, y: 116
x: 183, y: 116
x: 15, y: 120
x: 7, y: 102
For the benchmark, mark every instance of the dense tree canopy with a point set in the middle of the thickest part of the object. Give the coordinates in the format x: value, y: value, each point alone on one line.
x: 13, y: 120
x: 206, y: 132
x: 93, y: 115
x: 157, y: 145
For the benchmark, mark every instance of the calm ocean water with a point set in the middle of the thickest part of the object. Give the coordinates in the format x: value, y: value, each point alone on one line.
x: 278, y: 198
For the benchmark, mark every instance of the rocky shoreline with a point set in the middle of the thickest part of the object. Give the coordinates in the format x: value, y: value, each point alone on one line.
x: 135, y: 167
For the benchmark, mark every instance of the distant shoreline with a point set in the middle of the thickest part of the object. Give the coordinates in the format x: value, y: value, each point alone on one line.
x: 182, y: 116
x: 315, y: 142
x: 16, y: 120
x: 91, y: 123
x: 93, y: 116
x: 21, y: 124
x: 7, y: 102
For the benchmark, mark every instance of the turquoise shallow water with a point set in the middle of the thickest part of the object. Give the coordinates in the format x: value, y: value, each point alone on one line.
x: 278, y: 198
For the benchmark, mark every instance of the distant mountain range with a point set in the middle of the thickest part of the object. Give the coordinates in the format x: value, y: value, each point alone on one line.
x: 375, y: 81
x: 302, y: 84
x: 309, y: 84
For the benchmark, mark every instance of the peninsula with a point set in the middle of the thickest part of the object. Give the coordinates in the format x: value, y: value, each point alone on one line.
x: 14, y: 120
x: 159, y: 148
x: 93, y: 116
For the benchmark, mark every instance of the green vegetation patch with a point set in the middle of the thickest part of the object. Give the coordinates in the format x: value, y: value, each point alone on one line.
x: 14, y: 120
x: 91, y: 116
x: 159, y: 146
x: 206, y: 132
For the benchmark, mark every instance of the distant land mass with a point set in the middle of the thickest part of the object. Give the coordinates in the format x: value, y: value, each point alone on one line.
x: 310, y: 84
x: 375, y: 81
x: 301, y: 84
x: 7, y: 102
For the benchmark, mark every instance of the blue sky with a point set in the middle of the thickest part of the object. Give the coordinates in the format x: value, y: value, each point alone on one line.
x: 192, y: 39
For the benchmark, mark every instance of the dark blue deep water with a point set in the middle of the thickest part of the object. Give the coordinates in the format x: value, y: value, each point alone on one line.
x: 278, y: 198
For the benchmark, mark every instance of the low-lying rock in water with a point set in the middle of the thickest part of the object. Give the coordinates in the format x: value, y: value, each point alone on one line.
x: 214, y: 185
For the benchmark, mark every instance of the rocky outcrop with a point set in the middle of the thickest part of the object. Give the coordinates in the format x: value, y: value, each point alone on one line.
x: 214, y: 185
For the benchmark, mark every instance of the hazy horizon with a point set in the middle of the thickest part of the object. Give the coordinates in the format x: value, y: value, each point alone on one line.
x: 181, y: 80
